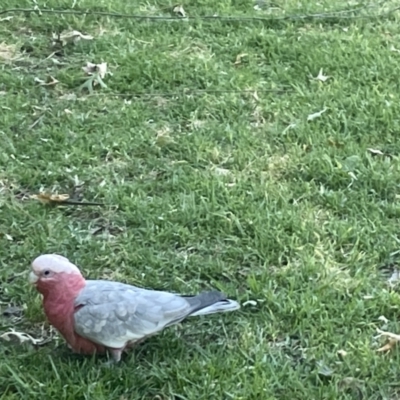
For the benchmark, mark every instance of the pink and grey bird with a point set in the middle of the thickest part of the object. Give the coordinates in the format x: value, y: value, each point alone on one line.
x: 98, y: 316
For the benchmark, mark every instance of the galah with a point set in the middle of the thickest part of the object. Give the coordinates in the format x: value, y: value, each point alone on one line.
x: 99, y: 316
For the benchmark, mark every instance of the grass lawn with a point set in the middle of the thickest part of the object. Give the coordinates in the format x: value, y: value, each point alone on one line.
x: 257, y: 158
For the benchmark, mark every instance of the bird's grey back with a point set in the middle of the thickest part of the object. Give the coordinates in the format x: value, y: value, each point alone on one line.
x: 100, y: 291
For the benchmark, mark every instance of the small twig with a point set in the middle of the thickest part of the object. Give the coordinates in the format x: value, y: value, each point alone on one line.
x: 79, y: 203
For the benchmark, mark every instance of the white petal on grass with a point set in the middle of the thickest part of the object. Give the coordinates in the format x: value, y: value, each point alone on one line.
x: 395, y: 277
x: 180, y: 11
x: 375, y: 151
x: 249, y: 303
x: 321, y: 77
x: 383, y: 319
x: 316, y: 115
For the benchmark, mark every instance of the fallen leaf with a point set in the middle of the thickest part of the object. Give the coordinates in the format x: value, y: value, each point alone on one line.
x: 342, y: 353
x: 393, y: 340
x: 179, y: 10
x: 48, y: 198
x: 316, y: 115
x: 50, y: 82
x: 388, y: 346
x: 21, y: 336
x: 321, y: 77
x: 239, y: 58
x: 70, y: 37
x: 6, y: 19
x: 375, y: 151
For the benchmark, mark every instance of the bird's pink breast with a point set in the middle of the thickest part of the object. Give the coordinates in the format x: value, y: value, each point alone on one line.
x: 58, y: 303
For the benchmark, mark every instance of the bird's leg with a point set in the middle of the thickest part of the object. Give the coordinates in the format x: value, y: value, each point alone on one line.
x: 115, y: 357
x: 116, y: 354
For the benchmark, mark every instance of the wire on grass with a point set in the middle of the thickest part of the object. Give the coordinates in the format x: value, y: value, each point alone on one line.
x: 354, y: 13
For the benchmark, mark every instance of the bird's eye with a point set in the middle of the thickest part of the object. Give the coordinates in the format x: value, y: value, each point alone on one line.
x: 47, y: 272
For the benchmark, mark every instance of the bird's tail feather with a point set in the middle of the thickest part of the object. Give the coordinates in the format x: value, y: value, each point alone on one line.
x: 210, y: 303
x: 220, y: 306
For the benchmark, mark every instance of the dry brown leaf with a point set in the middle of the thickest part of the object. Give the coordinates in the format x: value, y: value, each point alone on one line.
x: 388, y: 346
x: 47, y: 198
x: 179, y: 10
x: 393, y: 340
x: 91, y: 68
x: 71, y: 37
x: 239, y: 58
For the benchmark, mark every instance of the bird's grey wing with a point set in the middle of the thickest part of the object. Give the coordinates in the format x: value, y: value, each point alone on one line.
x: 95, y: 285
x: 113, y: 314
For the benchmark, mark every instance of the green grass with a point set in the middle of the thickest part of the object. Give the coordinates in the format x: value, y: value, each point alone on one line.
x: 225, y: 186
